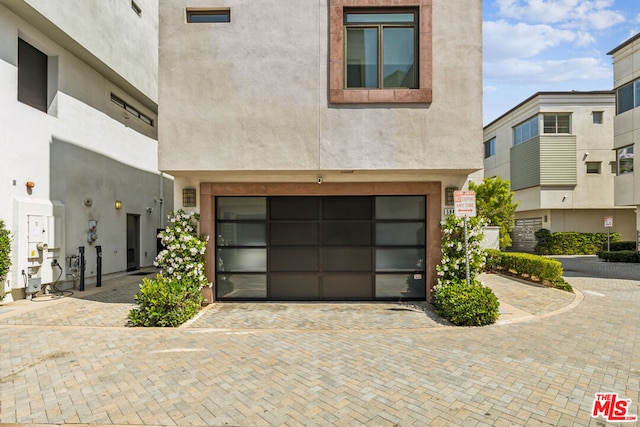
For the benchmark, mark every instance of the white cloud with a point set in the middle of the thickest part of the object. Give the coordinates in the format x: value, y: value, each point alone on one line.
x: 584, y: 14
x: 542, y: 72
x: 505, y: 40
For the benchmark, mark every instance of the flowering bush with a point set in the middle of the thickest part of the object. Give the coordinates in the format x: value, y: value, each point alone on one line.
x: 174, y: 296
x: 183, y: 256
x: 5, y: 259
x: 463, y: 304
x: 453, y: 266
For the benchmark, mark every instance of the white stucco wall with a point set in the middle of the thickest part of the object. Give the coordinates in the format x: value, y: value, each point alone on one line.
x: 253, y: 96
x: 106, y: 157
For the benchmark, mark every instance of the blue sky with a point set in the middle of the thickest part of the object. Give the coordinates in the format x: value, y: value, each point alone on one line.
x: 550, y: 45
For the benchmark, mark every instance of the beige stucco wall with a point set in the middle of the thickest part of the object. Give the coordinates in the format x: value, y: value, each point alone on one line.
x: 626, y: 68
x: 251, y: 96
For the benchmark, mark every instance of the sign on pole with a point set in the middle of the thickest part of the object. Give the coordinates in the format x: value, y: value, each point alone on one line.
x: 464, y: 203
x: 608, y: 221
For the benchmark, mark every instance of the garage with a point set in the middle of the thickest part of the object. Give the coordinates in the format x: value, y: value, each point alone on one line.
x: 321, y: 248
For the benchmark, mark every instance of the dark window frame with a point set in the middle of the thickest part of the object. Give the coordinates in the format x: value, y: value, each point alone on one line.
x: 208, y: 16
x: 490, y: 148
x: 128, y: 108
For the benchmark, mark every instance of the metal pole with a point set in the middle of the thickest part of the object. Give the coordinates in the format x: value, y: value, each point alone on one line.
x: 99, y: 266
x: 608, y: 243
x: 82, y: 266
x: 466, y: 249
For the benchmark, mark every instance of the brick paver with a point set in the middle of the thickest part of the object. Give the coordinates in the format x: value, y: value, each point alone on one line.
x: 72, y: 361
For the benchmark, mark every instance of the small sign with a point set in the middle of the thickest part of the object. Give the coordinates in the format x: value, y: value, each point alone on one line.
x: 608, y: 221
x: 464, y: 203
x: 449, y: 211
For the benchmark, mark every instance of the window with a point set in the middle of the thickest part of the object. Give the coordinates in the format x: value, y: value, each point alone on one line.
x: 625, y: 160
x: 32, y: 76
x: 557, y: 123
x: 380, y: 48
x: 598, y: 117
x: 525, y: 131
x: 614, y: 167
x: 132, y: 110
x: 628, y: 96
x: 189, y: 197
x: 380, y: 51
x: 593, y: 167
x: 208, y: 15
x: 490, y: 148
x: 136, y: 8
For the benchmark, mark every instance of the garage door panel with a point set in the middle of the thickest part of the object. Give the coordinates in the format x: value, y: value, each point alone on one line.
x: 294, y: 259
x: 347, y: 259
x: 347, y: 286
x: 294, y: 286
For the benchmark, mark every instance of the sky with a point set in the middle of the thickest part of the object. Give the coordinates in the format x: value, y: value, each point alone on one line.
x: 532, y: 46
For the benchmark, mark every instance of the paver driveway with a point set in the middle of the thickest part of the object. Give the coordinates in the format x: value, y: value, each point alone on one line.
x: 71, y: 361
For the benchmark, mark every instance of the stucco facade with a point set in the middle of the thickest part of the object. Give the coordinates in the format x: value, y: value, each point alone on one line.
x: 81, y: 150
x: 563, y: 178
x: 252, y: 108
x: 626, y: 73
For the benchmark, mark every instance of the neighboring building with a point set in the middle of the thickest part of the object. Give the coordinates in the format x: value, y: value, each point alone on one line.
x: 626, y: 81
x: 319, y: 150
x: 556, y: 150
x: 78, y: 113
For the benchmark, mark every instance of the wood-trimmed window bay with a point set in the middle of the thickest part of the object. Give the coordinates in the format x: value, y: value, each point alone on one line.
x: 380, y: 51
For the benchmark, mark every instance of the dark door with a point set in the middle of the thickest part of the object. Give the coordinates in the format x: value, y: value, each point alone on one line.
x: 320, y: 248
x: 133, y: 242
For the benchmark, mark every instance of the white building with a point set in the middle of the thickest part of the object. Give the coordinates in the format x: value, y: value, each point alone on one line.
x: 320, y: 151
x: 78, y: 113
x: 626, y: 81
x: 555, y: 148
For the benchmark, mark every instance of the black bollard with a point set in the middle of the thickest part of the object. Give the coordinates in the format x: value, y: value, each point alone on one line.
x: 81, y: 250
x: 99, y: 266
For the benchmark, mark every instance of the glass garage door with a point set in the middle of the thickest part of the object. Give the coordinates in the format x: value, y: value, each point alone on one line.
x: 320, y: 248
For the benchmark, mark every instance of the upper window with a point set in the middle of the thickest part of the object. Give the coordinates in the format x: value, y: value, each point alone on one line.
x: 598, y: 117
x: 132, y: 110
x: 32, y: 76
x: 490, y: 148
x: 380, y: 51
x: 525, y: 131
x: 593, y: 167
x: 380, y: 48
x: 625, y: 160
x: 208, y: 15
x: 557, y: 123
x: 628, y: 96
x: 136, y: 8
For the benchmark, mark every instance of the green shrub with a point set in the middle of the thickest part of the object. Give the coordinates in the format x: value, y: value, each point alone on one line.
x: 5, y: 256
x: 165, y: 302
x: 466, y: 305
x: 620, y: 256
x: 527, y: 266
x: 620, y: 246
x: 571, y: 243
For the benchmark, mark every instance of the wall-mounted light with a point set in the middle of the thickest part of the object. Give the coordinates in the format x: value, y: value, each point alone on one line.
x: 149, y: 209
x: 189, y: 197
x: 30, y: 184
x: 118, y: 204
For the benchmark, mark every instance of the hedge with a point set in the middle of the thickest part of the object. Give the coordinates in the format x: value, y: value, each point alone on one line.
x: 621, y: 246
x: 529, y: 267
x: 620, y: 256
x: 571, y: 243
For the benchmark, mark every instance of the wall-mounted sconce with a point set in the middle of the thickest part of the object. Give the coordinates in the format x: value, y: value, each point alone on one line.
x: 586, y: 154
x: 564, y: 198
x: 189, y: 197
x: 149, y: 209
x: 118, y: 204
x: 30, y: 184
